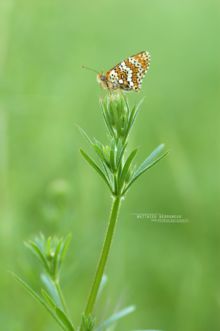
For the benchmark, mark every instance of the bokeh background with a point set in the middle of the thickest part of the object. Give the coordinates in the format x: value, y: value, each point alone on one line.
x: 171, y: 272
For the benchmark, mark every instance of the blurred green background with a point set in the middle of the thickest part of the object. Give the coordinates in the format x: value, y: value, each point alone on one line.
x: 170, y: 271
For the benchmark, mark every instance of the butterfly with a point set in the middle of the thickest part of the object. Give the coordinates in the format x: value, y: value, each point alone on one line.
x: 126, y: 75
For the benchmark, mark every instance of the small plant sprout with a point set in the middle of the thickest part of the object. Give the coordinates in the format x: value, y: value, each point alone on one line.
x: 119, y: 171
x: 51, y: 253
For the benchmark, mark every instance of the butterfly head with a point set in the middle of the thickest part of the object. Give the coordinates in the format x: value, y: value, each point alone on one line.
x: 102, y: 80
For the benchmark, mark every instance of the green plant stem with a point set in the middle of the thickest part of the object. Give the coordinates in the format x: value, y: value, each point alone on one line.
x: 104, y: 255
x: 60, y: 293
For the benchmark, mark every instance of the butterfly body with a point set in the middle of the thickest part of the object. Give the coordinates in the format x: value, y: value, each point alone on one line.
x: 127, y: 75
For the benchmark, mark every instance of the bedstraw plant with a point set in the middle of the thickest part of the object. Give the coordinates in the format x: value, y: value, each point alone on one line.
x: 116, y: 166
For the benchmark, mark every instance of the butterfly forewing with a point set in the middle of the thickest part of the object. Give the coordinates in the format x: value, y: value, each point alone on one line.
x: 128, y: 74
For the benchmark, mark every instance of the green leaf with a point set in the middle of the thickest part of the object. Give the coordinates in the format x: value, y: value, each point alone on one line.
x: 98, y: 149
x: 115, y: 317
x: 64, y: 318
x: 113, y: 158
x: 84, y: 134
x: 134, y: 114
x: 151, y: 158
x: 40, y: 241
x: 48, y: 245
x: 88, y: 323
x: 121, y: 149
x: 126, y: 168
x: 60, y: 314
x: 51, y: 287
x: 97, y: 146
x: 65, y: 246
x: 148, y: 163
x: 107, y: 119
x: 57, y: 257
x: 48, y: 298
x: 96, y: 167
x: 38, y: 253
x: 39, y: 299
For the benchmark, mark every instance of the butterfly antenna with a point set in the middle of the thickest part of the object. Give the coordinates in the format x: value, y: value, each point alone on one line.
x: 84, y: 67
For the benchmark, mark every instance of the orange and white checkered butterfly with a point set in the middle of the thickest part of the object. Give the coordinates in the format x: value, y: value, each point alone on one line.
x: 127, y: 75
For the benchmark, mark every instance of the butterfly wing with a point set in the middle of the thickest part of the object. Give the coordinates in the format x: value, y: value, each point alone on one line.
x: 128, y: 74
